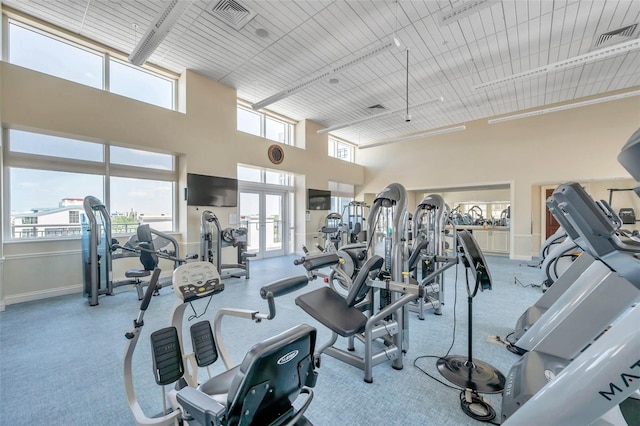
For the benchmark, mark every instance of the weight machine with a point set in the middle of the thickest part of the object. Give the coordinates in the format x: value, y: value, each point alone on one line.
x: 332, y: 232
x: 213, y: 239
x: 428, y: 240
x: 99, y: 250
x: 354, y: 213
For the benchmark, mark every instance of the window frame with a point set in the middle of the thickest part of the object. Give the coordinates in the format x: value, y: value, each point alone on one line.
x: 96, y: 168
x: 107, y: 53
x: 333, y: 149
x: 289, y: 137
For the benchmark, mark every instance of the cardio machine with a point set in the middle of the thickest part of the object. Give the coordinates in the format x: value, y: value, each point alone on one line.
x: 597, y: 367
x: 259, y: 390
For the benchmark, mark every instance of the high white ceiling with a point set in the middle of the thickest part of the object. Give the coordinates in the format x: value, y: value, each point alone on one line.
x: 499, y: 40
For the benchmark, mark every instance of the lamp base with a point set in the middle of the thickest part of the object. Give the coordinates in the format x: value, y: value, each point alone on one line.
x: 476, y: 375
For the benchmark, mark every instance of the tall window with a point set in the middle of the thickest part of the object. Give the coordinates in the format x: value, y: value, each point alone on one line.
x: 341, y: 195
x: 37, y: 50
x: 264, y: 125
x: 341, y: 149
x: 49, y: 176
x: 260, y: 175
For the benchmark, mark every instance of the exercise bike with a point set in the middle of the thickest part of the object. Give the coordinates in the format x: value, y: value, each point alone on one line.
x: 260, y: 390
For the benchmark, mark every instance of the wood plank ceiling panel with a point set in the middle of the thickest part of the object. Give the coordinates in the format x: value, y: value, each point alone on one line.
x: 508, y: 37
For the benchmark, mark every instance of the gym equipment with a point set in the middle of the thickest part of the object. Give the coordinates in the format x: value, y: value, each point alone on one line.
x: 96, y: 250
x: 429, y: 223
x: 99, y: 250
x: 600, y: 293
x: 550, y: 243
x: 471, y: 374
x: 354, y: 214
x: 261, y: 389
x: 628, y: 216
x: 558, y: 259
x: 530, y: 316
x: 332, y: 231
x: 597, y: 365
x: 148, y: 245
x: 213, y: 239
x: 357, y: 316
x: 344, y: 264
x: 352, y: 258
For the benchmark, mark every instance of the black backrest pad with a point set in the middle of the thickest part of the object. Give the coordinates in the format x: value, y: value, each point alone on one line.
x: 413, y: 259
x: 149, y: 260
x: 204, y: 346
x: 167, y: 356
x: 271, y: 376
x: 359, y: 287
x: 144, y: 234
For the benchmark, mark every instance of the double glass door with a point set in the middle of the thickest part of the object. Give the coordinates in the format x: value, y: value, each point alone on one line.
x: 263, y: 213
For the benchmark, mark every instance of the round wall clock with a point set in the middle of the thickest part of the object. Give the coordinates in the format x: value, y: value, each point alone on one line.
x: 276, y: 154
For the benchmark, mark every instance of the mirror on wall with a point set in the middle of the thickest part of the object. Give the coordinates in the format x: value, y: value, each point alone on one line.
x: 485, y: 211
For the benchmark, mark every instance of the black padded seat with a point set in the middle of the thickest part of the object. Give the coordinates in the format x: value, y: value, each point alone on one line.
x: 137, y: 273
x: 331, y: 310
x: 338, y: 313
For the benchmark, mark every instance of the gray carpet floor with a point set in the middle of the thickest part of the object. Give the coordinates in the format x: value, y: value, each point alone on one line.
x: 61, y: 360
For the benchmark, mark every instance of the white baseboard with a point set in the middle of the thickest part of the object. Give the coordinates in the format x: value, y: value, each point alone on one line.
x: 2, y: 305
x: 521, y: 257
x: 42, y: 294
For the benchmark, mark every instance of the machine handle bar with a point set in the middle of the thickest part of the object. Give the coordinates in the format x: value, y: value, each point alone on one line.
x: 284, y: 286
x: 150, y: 289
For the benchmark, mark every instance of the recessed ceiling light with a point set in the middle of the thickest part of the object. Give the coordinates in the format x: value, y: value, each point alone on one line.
x: 334, y: 81
x: 261, y: 32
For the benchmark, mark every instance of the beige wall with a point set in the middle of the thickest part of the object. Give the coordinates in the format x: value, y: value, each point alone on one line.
x: 578, y: 144
x: 527, y: 154
x: 203, y: 134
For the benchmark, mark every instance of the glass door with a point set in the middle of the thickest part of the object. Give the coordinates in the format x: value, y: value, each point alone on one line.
x: 263, y: 214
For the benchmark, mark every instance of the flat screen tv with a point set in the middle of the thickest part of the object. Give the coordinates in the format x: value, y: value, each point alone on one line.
x: 318, y: 199
x: 212, y: 191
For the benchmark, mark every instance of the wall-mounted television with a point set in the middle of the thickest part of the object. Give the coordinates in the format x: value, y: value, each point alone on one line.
x: 318, y: 199
x: 212, y: 191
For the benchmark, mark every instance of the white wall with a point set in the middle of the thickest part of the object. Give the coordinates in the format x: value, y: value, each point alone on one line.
x: 203, y: 134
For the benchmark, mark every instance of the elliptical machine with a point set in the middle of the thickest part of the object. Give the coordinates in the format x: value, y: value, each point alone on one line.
x: 595, y: 362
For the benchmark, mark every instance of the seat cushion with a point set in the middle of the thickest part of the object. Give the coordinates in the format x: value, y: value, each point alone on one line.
x: 136, y: 273
x: 332, y: 311
x: 218, y: 386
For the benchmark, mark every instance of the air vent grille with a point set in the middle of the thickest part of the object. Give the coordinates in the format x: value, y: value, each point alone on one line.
x: 615, y: 36
x: 231, y: 12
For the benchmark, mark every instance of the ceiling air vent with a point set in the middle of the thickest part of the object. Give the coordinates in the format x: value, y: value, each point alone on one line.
x: 231, y: 13
x: 615, y: 36
x: 376, y: 107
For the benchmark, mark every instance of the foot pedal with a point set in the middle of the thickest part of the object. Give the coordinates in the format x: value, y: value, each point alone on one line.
x: 167, y: 356
x: 204, y: 345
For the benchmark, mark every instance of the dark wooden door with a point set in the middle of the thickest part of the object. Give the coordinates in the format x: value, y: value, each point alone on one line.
x: 552, y: 224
